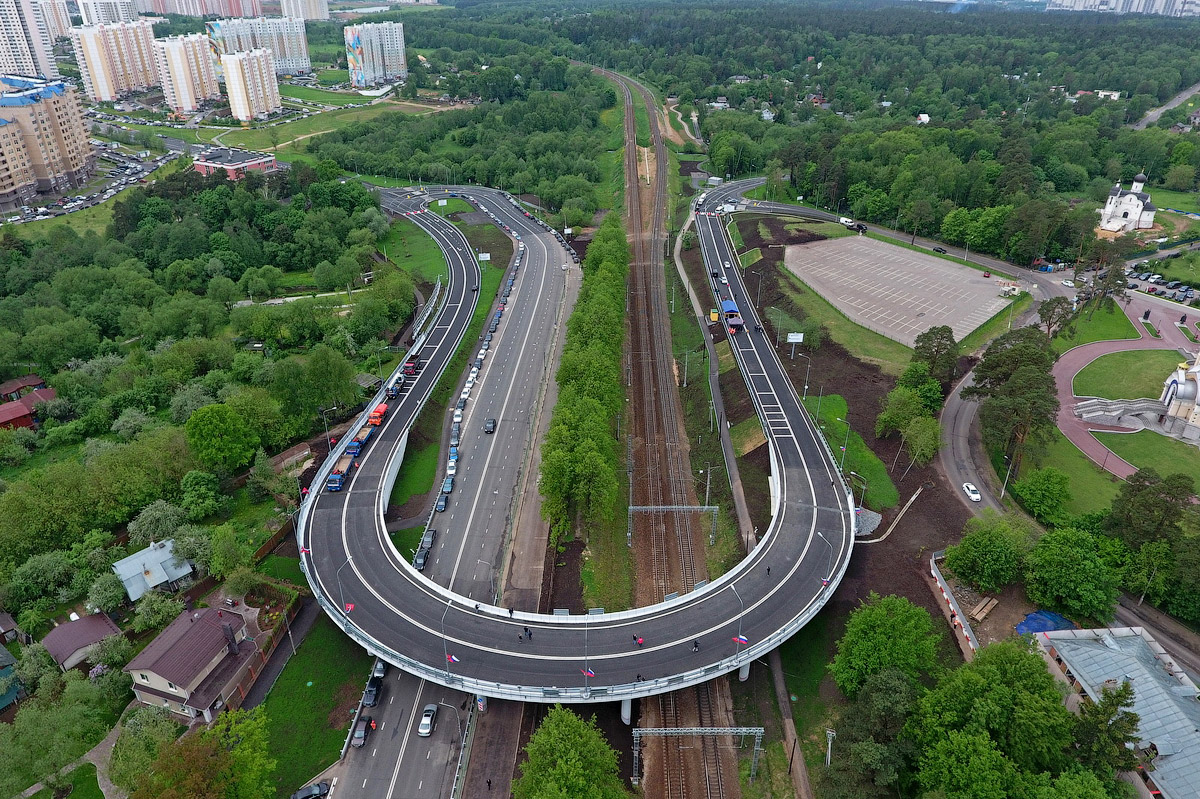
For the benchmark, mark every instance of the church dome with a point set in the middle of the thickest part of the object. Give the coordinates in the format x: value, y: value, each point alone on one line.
x: 1140, y: 177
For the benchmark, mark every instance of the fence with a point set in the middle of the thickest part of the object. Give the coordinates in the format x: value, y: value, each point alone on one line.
x: 957, y: 617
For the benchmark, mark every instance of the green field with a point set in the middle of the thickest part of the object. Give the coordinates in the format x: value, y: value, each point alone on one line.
x: 319, y: 95
x: 1092, y: 488
x: 281, y: 568
x: 331, y: 77
x: 1148, y: 449
x: 881, y: 492
x: 407, y: 541
x: 750, y: 257
x: 260, y: 138
x: 416, y: 474
x: 410, y: 248
x: 453, y: 205
x: 1181, y: 200
x: 83, y: 784
x: 327, y: 672
x: 1126, y: 375
x: 998, y: 325
x: 1106, y: 324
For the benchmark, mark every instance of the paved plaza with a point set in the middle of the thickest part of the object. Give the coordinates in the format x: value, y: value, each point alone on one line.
x: 896, y: 292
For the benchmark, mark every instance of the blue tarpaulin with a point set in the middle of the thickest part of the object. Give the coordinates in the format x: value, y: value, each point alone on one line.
x: 1041, y: 621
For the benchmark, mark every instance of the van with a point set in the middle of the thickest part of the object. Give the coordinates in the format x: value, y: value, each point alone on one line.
x: 847, y: 221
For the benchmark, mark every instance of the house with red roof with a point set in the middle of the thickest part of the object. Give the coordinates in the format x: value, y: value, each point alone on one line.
x: 68, y: 643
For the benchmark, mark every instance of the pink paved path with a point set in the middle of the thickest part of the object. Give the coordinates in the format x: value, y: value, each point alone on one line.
x: 1163, y: 315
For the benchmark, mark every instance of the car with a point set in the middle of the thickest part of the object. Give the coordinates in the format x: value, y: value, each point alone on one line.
x: 428, y: 539
x: 941, y: 250
x: 1174, y: 284
x: 421, y: 559
x: 428, y: 721
x: 452, y: 468
x: 478, y: 363
x: 440, y: 505
x: 489, y: 426
x: 1131, y: 285
x: 715, y: 273
x: 986, y: 273
x: 461, y: 404
x: 371, y: 695
x: 458, y: 415
x: 972, y: 492
x: 1152, y: 290
x: 1069, y: 283
x: 724, y: 280
x: 487, y: 339
x: 361, y: 730
x: 380, y: 670
x: 470, y: 384
x: 448, y: 485
x: 312, y: 791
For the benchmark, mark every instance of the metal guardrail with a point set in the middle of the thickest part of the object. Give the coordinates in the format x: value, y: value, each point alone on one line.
x: 957, y: 618
x: 548, y: 694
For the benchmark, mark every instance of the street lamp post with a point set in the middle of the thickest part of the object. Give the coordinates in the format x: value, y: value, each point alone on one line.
x: 866, y: 487
x: 342, y: 596
x: 829, y: 571
x: 491, y: 576
x: 445, y: 648
x: 458, y: 718
x: 325, y: 419
x: 807, y: 370
x: 738, y: 641
x: 1006, y: 475
x: 846, y: 444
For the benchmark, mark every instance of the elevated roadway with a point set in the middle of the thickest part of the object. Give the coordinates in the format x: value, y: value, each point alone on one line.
x: 463, y: 642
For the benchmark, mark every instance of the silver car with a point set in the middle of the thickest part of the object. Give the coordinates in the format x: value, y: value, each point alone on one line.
x: 428, y: 721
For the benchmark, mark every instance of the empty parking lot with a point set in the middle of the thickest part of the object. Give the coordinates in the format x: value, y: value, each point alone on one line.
x: 893, y: 291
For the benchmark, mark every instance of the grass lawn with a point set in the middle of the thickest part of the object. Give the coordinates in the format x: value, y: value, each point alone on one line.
x: 453, y: 205
x: 1126, y: 375
x: 281, y: 568
x: 830, y: 230
x: 998, y: 325
x: 413, y: 250
x: 1151, y: 329
x: 319, y: 95
x: 250, y: 518
x: 881, y: 492
x: 416, y: 474
x: 83, y: 784
x: 1092, y: 488
x: 1179, y: 200
x: 750, y: 257
x: 866, y: 345
x: 1186, y: 267
x: 407, y: 541
x: 805, y: 656
x: 259, y: 138
x: 327, y: 674
x: 747, y: 435
x: 98, y: 216
x: 1106, y: 324
x: 1146, y: 448
x: 329, y: 77
x: 735, y: 235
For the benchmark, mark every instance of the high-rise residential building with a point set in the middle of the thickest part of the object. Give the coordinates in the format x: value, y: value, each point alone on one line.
x: 282, y: 36
x: 44, y: 144
x: 250, y: 84
x: 185, y: 66
x: 115, y: 59
x: 1166, y: 8
x: 25, y: 45
x: 375, y: 53
x: 202, y: 8
x: 305, y: 9
x: 105, y: 12
x: 55, y: 17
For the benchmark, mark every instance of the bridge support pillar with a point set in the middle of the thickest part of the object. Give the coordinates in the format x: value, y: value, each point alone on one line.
x: 481, y: 703
x: 744, y: 672
x: 627, y: 711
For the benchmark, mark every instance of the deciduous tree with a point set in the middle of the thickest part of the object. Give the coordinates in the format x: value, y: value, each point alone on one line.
x: 884, y: 633
x: 144, y: 732
x: 220, y: 438
x: 1045, y: 493
x: 155, y: 609
x: 992, y: 552
x: 107, y: 593
x: 568, y: 756
x: 156, y: 522
x: 1065, y: 571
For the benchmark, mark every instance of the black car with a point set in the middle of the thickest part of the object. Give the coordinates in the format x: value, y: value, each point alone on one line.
x: 371, y: 695
x: 440, y: 505
x: 427, y: 539
x: 361, y: 730
x: 312, y: 791
x: 421, y: 558
x: 942, y: 250
x: 489, y: 426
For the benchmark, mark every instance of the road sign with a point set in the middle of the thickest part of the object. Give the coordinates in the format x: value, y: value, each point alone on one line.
x: 442, y: 203
x: 795, y: 338
x: 485, y: 256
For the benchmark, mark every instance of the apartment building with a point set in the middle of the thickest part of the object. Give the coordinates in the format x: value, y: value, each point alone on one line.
x: 250, y: 84
x: 305, y: 9
x: 25, y: 44
x: 185, y: 67
x: 115, y: 59
x: 375, y: 53
x: 55, y: 17
x: 202, y: 8
x: 43, y: 140
x: 106, y: 12
x: 1164, y: 8
x: 284, y: 37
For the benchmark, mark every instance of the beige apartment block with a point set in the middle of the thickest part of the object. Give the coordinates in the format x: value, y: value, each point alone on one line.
x: 251, y: 85
x: 55, y: 17
x: 106, y: 12
x: 283, y: 36
x: 115, y: 59
x: 185, y: 65
x: 25, y: 44
x: 44, y: 143
x: 305, y: 9
x: 202, y: 8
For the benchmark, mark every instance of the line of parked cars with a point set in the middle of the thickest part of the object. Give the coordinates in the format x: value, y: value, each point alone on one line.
x: 1158, y: 285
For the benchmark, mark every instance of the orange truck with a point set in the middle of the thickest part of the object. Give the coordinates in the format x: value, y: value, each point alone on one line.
x: 378, y: 414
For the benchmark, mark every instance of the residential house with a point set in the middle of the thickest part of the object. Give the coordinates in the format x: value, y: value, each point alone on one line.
x: 1194, y: 118
x: 8, y: 628
x: 1164, y: 698
x: 68, y: 643
x: 740, y: 79
x: 1108, y: 94
x: 19, y: 386
x: 922, y: 119
x: 201, y: 663
x: 720, y: 104
x: 149, y: 568
x: 7, y: 666
x: 19, y: 412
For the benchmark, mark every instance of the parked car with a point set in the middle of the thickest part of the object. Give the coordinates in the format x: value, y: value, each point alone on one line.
x: 361, y: 730
x: 1131, y: 285
x: 452, y: 468
x: 312, y: 791
x: 428, y: 721
x: 428, y: 539
x: 371, y: 695
x: 448, y: 485
x: 972, y: 492
x: 440, y: 505
x: 421, y: 559
x: 1069, y: 283
x: 380, y: 670
x: 941, y: 250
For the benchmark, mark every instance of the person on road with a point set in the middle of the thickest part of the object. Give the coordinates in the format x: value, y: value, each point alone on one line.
x: 695, y: 646
x: 638, y: 640
x: 528, y: 633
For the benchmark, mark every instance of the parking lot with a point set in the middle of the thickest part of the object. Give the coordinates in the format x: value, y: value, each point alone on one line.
x: 896, y: 292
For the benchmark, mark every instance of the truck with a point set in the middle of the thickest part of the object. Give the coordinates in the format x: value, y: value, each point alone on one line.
x: 339, y: 474
x: 393, y: 388
x: 733, y: 317
x: 377, y: 415
x: 359, y: 442
x: 412, y: 365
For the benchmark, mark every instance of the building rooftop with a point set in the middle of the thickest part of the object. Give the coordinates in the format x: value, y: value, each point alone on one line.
x: 23, y: 90
x: 227, y: 156
x: 1164, y: 697
x: 187, y: 645
x: 18, y: 383
x: 151, y: 567
x: 67, y: 639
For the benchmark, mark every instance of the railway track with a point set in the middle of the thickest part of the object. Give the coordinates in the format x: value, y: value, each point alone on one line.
x: 690, y: 766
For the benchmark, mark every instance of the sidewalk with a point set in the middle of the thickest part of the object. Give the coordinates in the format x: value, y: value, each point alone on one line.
x: 98, y: 756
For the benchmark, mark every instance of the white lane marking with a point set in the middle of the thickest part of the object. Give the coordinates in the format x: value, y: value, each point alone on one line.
x: 404, y: 746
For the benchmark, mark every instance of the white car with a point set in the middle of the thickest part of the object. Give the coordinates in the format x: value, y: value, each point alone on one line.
x: 458, y: 415
x: 1069, y: 283
x: 452, y: 468
x: 972, y: 492
x: 724, y: 280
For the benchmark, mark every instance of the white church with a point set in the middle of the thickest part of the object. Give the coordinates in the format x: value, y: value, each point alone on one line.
x: 1128, y: 210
